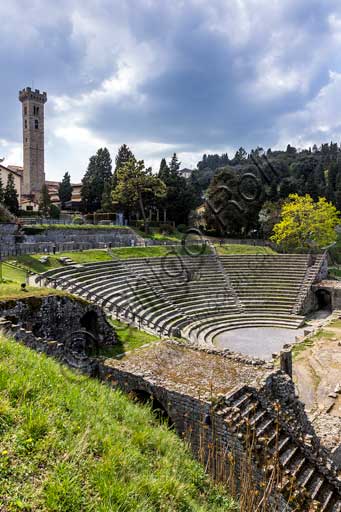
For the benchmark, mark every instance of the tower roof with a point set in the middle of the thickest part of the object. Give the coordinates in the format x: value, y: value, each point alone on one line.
x: 28, y: 94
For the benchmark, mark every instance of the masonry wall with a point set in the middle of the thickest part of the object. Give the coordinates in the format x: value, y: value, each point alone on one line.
x: 56, y: 317
x: 63, y: 240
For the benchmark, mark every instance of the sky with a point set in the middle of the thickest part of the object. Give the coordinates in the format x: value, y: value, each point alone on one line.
x: 164, y: 76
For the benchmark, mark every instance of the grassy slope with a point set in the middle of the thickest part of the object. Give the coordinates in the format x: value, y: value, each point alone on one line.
x: 31, y: 262
x: 73, y: 444
x: 10, y: 290
x: 129, y: 338
x: 42, y: 227
x: 243, y: 249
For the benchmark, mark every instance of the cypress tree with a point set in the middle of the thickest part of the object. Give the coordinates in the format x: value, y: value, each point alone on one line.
x: 11, y: 195
x: 45, y: 201
x: 97, y: 174
x: 2, y: 192
x: 65, y: 189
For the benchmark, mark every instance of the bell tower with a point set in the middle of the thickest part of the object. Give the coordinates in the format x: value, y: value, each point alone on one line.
x: 33, y: 140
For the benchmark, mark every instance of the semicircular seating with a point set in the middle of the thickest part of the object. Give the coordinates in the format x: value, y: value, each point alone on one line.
x: 195, y: 297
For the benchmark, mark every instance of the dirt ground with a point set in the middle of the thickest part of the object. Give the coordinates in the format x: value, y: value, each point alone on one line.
x: 317, y: 375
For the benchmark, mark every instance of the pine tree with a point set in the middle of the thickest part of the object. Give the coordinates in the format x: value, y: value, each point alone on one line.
x: 107, y: 204
x: 45, y: 201
x: 311, y: 187
x: 65, y: 189
x: 123, y: 156
x: 331, y: 183
x: 174, y: 165
x: 164, y: 170
x: 2, y: 192
x: 338, y: 191
x: 320, y: 180
x: 137, y: 188
x: 97, y: 174
x: 11, y: 195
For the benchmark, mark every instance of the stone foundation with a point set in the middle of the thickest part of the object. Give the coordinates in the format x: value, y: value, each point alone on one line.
x: 56, y: 317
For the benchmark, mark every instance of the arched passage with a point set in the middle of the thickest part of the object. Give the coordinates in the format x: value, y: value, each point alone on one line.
x: 90, y: 322
x: 158, y: 409
x: 324, y: 299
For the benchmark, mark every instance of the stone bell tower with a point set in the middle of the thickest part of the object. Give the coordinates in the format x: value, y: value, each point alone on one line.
x: 33, y: 140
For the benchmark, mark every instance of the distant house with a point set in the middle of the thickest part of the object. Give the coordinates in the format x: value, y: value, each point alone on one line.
x: 16, y: 172
x: 186, y: 173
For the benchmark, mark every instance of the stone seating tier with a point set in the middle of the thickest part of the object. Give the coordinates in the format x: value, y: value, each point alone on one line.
x: 202, y: 295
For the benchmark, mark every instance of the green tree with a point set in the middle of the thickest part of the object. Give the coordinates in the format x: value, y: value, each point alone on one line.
x: 54, y: 212
x: 2, y: 192
x: 236, y: 217
x: 136, y: 188
x: 123, y: 156
x: 11, y: 196
x: 269, y: 216
x: 182, y: 195
x: 107, y: 204
x: 240, y: 156
x: 164, y: 170
x: 303, y: 221
x: 338, y: 191
x: 97, y: 174
x: 65, y: 189
x: 174, y: 164
x: 45, y: 201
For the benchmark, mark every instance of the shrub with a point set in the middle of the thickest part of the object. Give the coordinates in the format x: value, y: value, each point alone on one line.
x: 54, y: 212
x: 77, y: 219
x: 5, y: 215
x: 182, y: 228
x: 167, y: 229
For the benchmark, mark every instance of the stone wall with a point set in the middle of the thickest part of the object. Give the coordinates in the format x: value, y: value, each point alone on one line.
x: 7, y: 235
x: 56, y: 317
x: 63, y: 239
x: 217, y: 432
x: 91, y: 236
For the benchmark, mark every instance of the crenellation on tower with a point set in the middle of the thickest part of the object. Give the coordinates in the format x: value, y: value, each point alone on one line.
x: 33, y: 102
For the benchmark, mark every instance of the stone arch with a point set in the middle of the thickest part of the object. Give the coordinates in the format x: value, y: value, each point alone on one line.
x: 324, y: 299
x: 159, y: 410
x: 89, y: 321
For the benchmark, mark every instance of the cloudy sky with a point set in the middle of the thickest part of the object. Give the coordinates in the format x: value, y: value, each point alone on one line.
x: 189, y: 76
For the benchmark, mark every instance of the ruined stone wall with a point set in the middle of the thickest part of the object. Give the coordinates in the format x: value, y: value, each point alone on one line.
x: 7, y: 235
x: 91, y: 236
x: 63, y: 239
x: 56, y: 317
x: 210, y: 428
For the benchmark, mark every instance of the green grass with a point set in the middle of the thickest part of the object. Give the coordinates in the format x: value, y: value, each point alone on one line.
x: 11, y: 290
x: 243, y: 249
x: 321, y: 334
x: 153, y: 251
x: 70, y: 445
x: 298, y: 348
x: 129, y: 338
x: 31, y: 262
x: 334, y: 272
x: 11, y: 273
x: 154, y: 234
x: 42, y: 227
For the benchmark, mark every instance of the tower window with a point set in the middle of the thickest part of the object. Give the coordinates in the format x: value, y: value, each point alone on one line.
x: 25, y: 123
x: 35, y: 110
x: 36, y: 124
x: 25, y: 111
